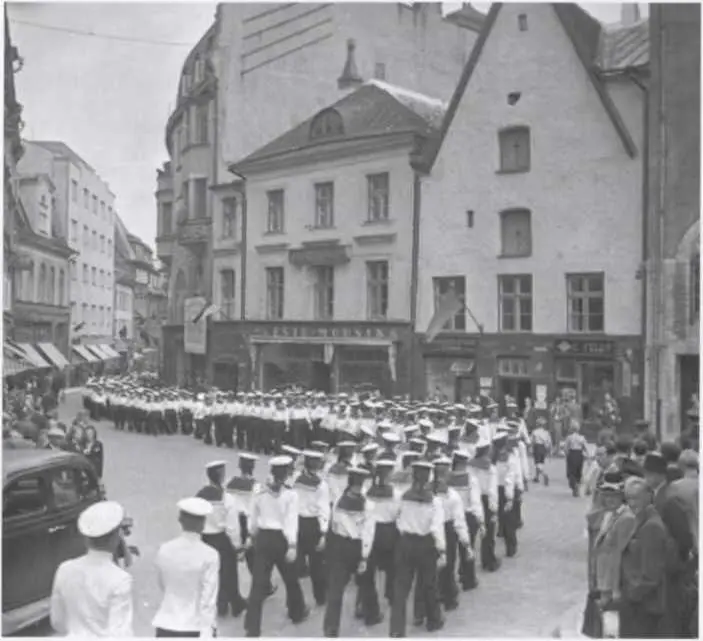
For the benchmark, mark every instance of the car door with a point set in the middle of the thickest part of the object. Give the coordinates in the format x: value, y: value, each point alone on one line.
x: 73, y: 487
x: 27, y: 556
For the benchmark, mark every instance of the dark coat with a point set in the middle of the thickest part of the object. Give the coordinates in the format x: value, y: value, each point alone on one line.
x: 672, y: 504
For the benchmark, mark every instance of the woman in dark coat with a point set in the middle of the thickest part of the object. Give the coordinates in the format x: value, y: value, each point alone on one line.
x: 93, y: 449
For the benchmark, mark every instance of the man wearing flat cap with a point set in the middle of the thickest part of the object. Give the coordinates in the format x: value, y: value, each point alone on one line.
x: 107, y: 609
x: 188, y: 575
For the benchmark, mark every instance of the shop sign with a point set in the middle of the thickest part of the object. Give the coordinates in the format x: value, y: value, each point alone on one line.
x: 316, y: 331
x: 194, y: 334
x: 585, y: 347
x: 462, y: 367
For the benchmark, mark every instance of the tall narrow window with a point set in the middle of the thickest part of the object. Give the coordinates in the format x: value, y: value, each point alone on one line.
x: 74, y: 271
x: 586, y: 301
x: 514, y: 149
x: 378, y: 197
x: 694, y: 298
x: 229, y: 218
x: 74, y: 231
x: 51, y: 287
x: 379, y: 71
x: 86, y: 199
x: 166, y: 218
x: 42, y: 283
x: 93, y: 276
x: 201, y: 124
x: 516, y: 234
x: 227, y: 289
x: 324, y: 205
x: 200, y: 197
x: 324, y: 292
x: 274, y: 293
x: 377, y: 289
x: 31, y: 293
x: 86, y: 237
x: 85, y: 274
x: 74, y: 190
x: 455, y: 285
x: 515, y: 303
x: 275, y: 218
x: 95, y: 204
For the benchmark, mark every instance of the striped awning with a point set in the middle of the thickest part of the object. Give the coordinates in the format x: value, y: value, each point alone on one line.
x: 96, y: 349
x: 85, y: 354
x: 110, y: 352
x: 34, y: 357
x: 14, y: 360
x: 54, y: 355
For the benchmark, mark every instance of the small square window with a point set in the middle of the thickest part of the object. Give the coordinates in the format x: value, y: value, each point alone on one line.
x: 522, y: 22
x: 470, y: 218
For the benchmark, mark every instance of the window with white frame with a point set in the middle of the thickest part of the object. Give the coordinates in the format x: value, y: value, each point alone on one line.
x: 227, y: 290
x: 229, y: 218
x: 377, y: 278
x: 515, y: 303
x: 586, y: 302
x: 275, y: 221
x: 514, y: 145
x: 378, y: 185
x: 455, y: 285
x: 323, y: 283
x: 324, y: 205
x: 274, y: 293
x: 516, y: 233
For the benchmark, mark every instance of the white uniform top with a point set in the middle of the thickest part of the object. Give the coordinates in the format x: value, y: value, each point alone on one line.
x: 422, y: 519
x: 92, y: 597
x: 524, y: 459
x: 225, y: 518
x: 188, y: 575
x: 488, y: 482
x: 453, y: 510
x: 275, y: 511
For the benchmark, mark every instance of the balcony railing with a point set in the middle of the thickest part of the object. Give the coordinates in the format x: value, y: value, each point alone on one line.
x: 195, y: 231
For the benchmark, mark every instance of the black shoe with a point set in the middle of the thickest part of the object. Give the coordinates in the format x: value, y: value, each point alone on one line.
x: 238, y: 608
x: 435, y: 625
x: 374, y: 620
x: 271, y: 591
x: 469, y: 586
x: 452, y: 605
x: 303, y: 617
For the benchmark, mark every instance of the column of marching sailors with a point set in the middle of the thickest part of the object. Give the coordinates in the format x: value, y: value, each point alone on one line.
x: 355, y: 489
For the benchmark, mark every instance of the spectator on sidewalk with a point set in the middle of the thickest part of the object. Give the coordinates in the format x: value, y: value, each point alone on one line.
x: 93, y: 450
x: 576, y: 449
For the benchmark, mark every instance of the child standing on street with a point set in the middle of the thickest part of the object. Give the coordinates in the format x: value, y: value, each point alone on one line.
x: 541, y: 446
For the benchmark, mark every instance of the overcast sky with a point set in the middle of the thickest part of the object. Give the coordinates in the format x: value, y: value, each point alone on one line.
x: 109, y: 99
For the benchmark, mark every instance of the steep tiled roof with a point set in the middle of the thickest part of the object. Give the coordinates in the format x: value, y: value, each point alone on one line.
x: 623, y: 47
x: 62, y: 149
x: 375, y: 109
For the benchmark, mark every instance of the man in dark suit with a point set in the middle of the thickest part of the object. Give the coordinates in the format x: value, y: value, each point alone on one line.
x: 643, y: 567
x: 671, y: 506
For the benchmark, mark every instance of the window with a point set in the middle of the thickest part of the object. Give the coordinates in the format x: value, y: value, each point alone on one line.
x: 25, y: 496
x: 62, y: 287
x: 326, y: 124
x: 109, y: 215
x: 51, y: 288
x: 166, y: 218
x: 85, y: 318
x: 515, y: 232
x: 86, y: 199
x: 42, y: 283
x: 470, y: 218
x: 74, y: 271
x: 274, y: 293
x: 515, y: 302
x: 377, y: 289
x: 102, y: 244
x: 201, y: 124
x: 275, y: 219
x: 324, y: 205
x: 227, y: 286
x: 74, y: 190
x: 94, y: 244
x: 43, y: 226
x: 85, y: 274
x: 324, y: 292
x: 200, y: 197
x: 378, y: 197
x: 31, y: 295
x: 694, y: 304
x: 229, y: 217
x: 512, y: 367
x: 101, y: 280
x: 74, y: 231
x: 93, y: 315
x: 95, y: 204
x: 102, y: 209
x: 586, y: 302
x: 109, y: 246
x: 514, y: 149
x: 522, y: 22
x: 86, y: 237
x: 455, y: 285
x: 379, y: 71
x: 94, y: 274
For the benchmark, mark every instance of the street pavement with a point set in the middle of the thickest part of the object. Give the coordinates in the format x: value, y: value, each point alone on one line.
x: 528, y: 597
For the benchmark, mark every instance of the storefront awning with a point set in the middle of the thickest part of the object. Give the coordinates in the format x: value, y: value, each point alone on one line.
x: 15, y: 351
x: 34, y: 357
x: 95, y: 349
x: 54, y: 355
x: 85, y: 354
x: 14, y: 361
x: 110, y: 352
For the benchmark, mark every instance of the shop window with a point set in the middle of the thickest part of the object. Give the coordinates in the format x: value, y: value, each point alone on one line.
x: 274, y: 293
x: 514, y: 145
x: 695, y: 290
x: 586, y: 301
x: 227, y: 285
x: 229, y: 218
x: 515, y: 302
x: 377, y: 289
x: 451, y: 285
x: 516, y: 233
x: 513, y: 367
x: 378, y: 197
x: 275, y: 219
x: 324, y: 205
x: 323, y: 279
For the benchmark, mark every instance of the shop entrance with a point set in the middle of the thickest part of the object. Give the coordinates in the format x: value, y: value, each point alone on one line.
x: 226, y: 376
x: 321, y: 377
x: 464, y: 387
x: 518, y: 388
x: 689, y: 378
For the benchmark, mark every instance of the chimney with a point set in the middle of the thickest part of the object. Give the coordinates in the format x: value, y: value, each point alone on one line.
x: 350, y: 78
x: 629, y: 13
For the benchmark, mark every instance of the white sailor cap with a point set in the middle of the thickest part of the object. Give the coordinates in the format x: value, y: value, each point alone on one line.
x: 384, y: 464
x: 250, y: 458
x: 215, y: 464
x: 423, y: 465
x: 200, y: 397
x: 391, y: 437
x: 359, y: 472
x: 482, y: 443
x: 280, y: 461
x: 290, y: 450
x: 100, y: 519
x: 410, y: 429
x: 369, y: 448
x: 461, y: 455
x: 459, y: 407
x: 346, y: 444
x: 195, y: 506
x: 313, y: 454
x: 436, y: 437
x: 55, y: 431
x: 500, y: 435
x: 426, y: 422
x: 442, y: 461
x: 385, y: 424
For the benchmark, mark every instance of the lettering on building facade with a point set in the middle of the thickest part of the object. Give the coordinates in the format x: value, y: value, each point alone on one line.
x: 585, y: 347
x: 316, y: 331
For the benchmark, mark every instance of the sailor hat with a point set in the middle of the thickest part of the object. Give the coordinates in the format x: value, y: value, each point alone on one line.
x: 425, y: 422
x: 436, y: 438
x: 290, y: 450
x: 280, y: 461
x: 461, y: 455
x: 55, y: 431
x: 100, y: 519
x: 215, y: 464
x: 369, y: 448
x: 250, y: 458
x: 320, y: 446
x: 346, y: 445
x: 423, y: 465
x: 358, y: 472
x: 390, y: 437
x: 313, y: 454
x: 385, y: 464
x: 442, y: 461
x: 195, y: 506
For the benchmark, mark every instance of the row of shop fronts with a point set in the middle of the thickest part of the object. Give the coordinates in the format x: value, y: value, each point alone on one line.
x: 344, y: 357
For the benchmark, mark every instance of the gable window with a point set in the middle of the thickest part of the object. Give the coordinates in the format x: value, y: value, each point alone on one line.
x: 324, y: 205
x: 326, y: 124
x: 227, y: 288
x: 377, y: 289
x: 229, y: 218
x: 695, y: 287
x: 456, y: 285
x: 274, y: 293
x: 514, y: 145
x: 516, y: 233
x: 275, y: 218
x: 323, y: 283
x: 378, y: 197
x: 515, y: 303
x: 586, y: 302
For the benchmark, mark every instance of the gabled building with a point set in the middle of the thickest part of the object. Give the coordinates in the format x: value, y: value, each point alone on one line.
x: 532, y: 214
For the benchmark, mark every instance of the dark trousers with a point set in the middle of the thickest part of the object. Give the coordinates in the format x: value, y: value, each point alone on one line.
x: 489, y: 561
x: 171, y: 421
x: 448, y: 588
x: 506, y: 522
x: 270, y: 550
x: 343, y: 556
x: 275, y: 437
x: 238, y: 426
x: 228, y: 594
x: 249, y: 554
x: 467, y: 566
x: 187, y: 422
x: 298, y: 433
x: 574, y: 468
x: 309, y: 535
x: 517, y: 507
x: 160, y: 632
x: 224, y: 430
x: 382, y: 559
x: 118, y: 417
x: 415, y: 558
x: 637, y: 623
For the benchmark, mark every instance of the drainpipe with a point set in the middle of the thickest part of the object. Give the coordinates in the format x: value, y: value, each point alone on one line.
x: 243, y: 250
x: 414, y: 258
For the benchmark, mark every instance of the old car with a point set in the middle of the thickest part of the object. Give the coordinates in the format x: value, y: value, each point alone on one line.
x: 44, y: 492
